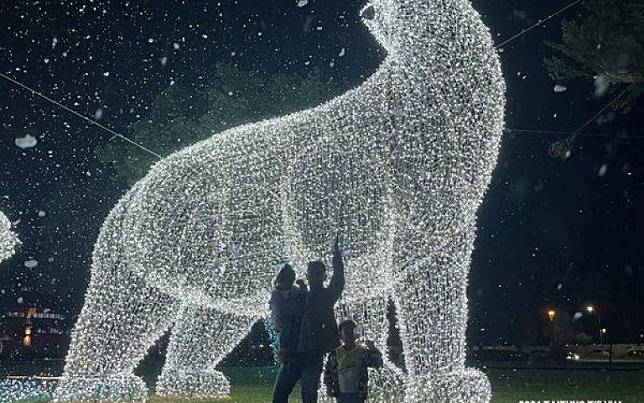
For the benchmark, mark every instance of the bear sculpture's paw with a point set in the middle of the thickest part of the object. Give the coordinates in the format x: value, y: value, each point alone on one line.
x: 386, y: 385
x: 201, y: 385
x: 108, y: 388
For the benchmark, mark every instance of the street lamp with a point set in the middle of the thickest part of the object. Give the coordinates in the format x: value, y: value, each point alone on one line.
x: 554, y: 342
x: 602, y: 330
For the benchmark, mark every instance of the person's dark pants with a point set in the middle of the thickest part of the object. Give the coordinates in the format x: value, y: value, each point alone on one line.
x: 349, y: 398
x: 307, y: 368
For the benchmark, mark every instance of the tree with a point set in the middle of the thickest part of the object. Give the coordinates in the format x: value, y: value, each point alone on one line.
x: 606, y: 45
x: 182, y: 115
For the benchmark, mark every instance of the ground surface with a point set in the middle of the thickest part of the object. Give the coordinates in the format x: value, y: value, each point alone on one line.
x: 253, y: 385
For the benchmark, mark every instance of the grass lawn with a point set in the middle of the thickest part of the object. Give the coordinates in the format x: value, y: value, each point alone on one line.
x: 253, y: 385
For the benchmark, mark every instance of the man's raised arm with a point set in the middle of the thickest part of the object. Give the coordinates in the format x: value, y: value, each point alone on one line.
x: 336, y: 285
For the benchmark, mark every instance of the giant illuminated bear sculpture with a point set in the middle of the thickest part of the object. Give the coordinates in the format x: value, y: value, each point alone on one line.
x: 398, y: 166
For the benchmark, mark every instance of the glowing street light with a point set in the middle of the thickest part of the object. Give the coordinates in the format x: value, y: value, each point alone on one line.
x: 551, y: 315
x: 591, y: 309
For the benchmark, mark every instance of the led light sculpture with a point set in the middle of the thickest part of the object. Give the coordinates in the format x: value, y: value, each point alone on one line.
x: 8, y: 240
x: 398, y: 166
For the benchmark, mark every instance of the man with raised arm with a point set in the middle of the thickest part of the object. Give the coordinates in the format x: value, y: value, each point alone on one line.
x: 318, y: 331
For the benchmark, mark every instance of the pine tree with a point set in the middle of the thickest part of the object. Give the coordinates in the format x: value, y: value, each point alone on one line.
x: 606, y: 45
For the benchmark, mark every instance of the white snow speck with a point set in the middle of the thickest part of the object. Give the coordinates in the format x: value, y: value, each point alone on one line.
x: 176, y: 46
x: 54, y: 42
x: 41, y: 213
x: 559, y: 287
x: 151, y: 40
x: 20, y: 300
x: 26, y: 142
x: 164, y: 61
x: 560, y: 88
x: 230, y: 93
x: 577, y: 315
x: 602, y: 170
x: 601, y: 86
x: 204, y: 36
x: 30, y: 264
x: 302, y: 3
x: 519, y: 14
x: 342, y: 52
x: 98, y: 115
x: 106, y: 74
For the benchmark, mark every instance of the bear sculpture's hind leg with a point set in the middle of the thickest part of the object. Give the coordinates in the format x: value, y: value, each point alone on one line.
x: 201, y: 338
x: 121, y: 319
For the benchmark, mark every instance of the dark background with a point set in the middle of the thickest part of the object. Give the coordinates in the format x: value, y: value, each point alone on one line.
x: 551, y: 232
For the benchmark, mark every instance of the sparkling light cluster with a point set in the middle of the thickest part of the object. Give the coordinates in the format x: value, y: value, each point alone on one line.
x: 13, y: 390
x: 398, y: 166
x: 8, y: 240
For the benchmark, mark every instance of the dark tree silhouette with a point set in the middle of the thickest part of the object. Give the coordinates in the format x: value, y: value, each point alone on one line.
x: 605, y: 45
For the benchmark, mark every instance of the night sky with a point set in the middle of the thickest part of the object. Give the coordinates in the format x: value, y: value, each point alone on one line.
x: 551, y: 232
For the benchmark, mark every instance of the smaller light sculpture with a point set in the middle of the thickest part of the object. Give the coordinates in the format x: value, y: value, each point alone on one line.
x: 8, y: 240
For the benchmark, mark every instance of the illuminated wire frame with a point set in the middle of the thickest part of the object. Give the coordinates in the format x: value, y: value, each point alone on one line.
x: 398, y: 166
x: 14, y: 390
x: 8, y: 240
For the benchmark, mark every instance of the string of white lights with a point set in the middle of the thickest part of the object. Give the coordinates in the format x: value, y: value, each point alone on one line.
x: 539, y: 23
x: 8, y: 239
x: 85, y: 118
x: 397, y: 166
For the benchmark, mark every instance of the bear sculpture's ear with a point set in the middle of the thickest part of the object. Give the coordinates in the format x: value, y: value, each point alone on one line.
x: 368, y: 12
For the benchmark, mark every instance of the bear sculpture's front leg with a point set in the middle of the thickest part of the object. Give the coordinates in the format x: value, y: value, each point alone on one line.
x: 432, y: 303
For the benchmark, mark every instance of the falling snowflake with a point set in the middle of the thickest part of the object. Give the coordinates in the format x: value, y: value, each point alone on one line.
x: 28, y: 141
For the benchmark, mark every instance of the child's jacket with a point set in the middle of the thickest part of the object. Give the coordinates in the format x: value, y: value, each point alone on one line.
x: 367, y: 359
